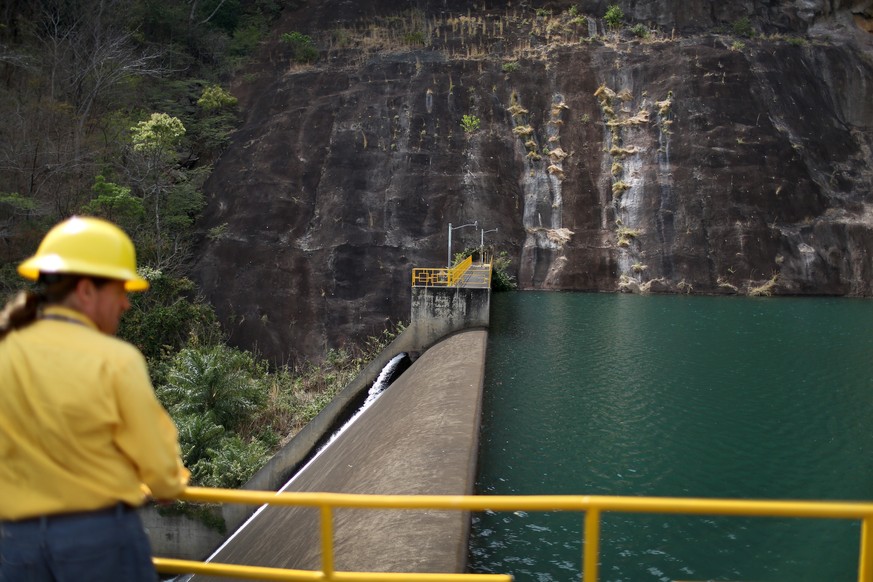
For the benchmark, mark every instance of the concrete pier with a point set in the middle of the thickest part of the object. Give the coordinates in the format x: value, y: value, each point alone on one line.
x: 420, y: 437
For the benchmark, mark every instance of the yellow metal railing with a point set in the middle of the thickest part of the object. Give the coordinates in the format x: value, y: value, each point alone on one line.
x: 592, y: 505
x: 441, y: 277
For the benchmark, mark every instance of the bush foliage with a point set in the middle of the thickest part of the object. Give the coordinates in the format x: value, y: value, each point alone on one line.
x: 614, y: 16
x: 303, y: 50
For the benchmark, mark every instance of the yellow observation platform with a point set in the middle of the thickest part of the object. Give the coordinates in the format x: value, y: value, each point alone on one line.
x: 464, y: 274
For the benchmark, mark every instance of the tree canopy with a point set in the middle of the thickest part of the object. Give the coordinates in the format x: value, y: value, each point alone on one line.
x: 117, y: 108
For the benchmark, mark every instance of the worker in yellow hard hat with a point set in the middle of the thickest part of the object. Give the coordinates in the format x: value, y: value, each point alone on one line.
x: 83, y: 440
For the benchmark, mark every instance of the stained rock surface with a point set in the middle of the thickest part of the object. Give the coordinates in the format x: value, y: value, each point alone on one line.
x: 698, y: 147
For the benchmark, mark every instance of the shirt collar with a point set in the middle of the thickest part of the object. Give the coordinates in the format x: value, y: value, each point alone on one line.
x: 71, y: 315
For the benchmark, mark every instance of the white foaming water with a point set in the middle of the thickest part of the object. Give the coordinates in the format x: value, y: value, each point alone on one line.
x: 376, y: 390
x: 373, y: 394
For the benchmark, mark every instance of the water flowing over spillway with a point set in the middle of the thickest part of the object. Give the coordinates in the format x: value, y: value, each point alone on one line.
x: 383, y: 381
x: 376, y: 390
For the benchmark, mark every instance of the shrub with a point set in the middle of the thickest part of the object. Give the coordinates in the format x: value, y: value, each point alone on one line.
x: 626, y: 235
x: 510, y: 67
x: 415, y: 38
x: 470, y: 123
x: 619, y: 187
x: 640, y: 31
x: 501, y: 280
x: 743, y: 27
x: 217, y: 233
x: 522, y: 130
x: 230, y: 464
x: 197, y: 436
x: 303, y: 50
x: 765, y: 290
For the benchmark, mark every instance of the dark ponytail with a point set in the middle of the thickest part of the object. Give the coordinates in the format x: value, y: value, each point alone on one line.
x: 24, y: 308
x: 20, y: 311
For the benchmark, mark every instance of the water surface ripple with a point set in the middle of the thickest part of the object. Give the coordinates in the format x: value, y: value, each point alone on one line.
x: 675, y: 396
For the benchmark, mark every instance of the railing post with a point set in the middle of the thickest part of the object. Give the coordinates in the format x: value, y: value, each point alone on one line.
x: 590, y: 556
x: 327, y: 567
x: 865, y: 566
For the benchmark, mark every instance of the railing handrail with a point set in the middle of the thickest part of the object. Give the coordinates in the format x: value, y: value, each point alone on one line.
x: 456, y: 272
x: 591, y: 505
x: 624, y: 504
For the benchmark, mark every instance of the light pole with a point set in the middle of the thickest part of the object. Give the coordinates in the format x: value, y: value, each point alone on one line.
x: 482, y: 244
x: 451, y: 228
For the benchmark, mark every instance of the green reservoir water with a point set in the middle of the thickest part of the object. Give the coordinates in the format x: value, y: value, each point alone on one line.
x: 675, y: 396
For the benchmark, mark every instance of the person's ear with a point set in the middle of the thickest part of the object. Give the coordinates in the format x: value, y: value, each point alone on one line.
x: 85, y: 291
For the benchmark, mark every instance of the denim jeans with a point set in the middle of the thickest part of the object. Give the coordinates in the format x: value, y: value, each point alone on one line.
x: 105, y: 545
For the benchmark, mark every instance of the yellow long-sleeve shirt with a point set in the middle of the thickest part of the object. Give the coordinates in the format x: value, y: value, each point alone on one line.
x: 80, y: 426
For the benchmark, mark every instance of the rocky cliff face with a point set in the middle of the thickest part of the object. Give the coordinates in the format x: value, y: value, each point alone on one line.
x: 705, y: 147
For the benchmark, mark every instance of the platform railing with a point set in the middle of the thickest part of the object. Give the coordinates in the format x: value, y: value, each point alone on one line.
x: 591, y: 505
x: 441, y: 277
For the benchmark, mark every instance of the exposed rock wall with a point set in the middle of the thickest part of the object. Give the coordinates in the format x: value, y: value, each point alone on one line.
x: 685, y: 159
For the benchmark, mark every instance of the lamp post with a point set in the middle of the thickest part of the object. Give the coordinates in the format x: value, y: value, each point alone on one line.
x: 482, y: 244
x: 451, y: 228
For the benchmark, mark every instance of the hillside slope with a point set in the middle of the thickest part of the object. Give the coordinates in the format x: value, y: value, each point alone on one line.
x: 695, y: 148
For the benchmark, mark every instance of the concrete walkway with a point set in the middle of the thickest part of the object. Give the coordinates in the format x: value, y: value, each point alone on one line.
x: 476, y: 277
x: 419, y: 437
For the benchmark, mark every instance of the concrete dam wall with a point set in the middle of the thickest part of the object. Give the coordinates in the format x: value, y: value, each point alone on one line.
x: 419, y: 437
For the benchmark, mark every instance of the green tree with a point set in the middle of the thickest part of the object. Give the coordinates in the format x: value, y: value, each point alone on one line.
x: 154, y: 144
x: 215, y: 120
x: 114, y: 203
x: 167, y: 318
x: 214, y: 393
x: 214, y: 97
x: 614, y: 16
x: 217, y: 382
x: 157, y: 135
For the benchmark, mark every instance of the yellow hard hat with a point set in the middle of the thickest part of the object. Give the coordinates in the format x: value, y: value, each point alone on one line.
x: 86, y: 246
